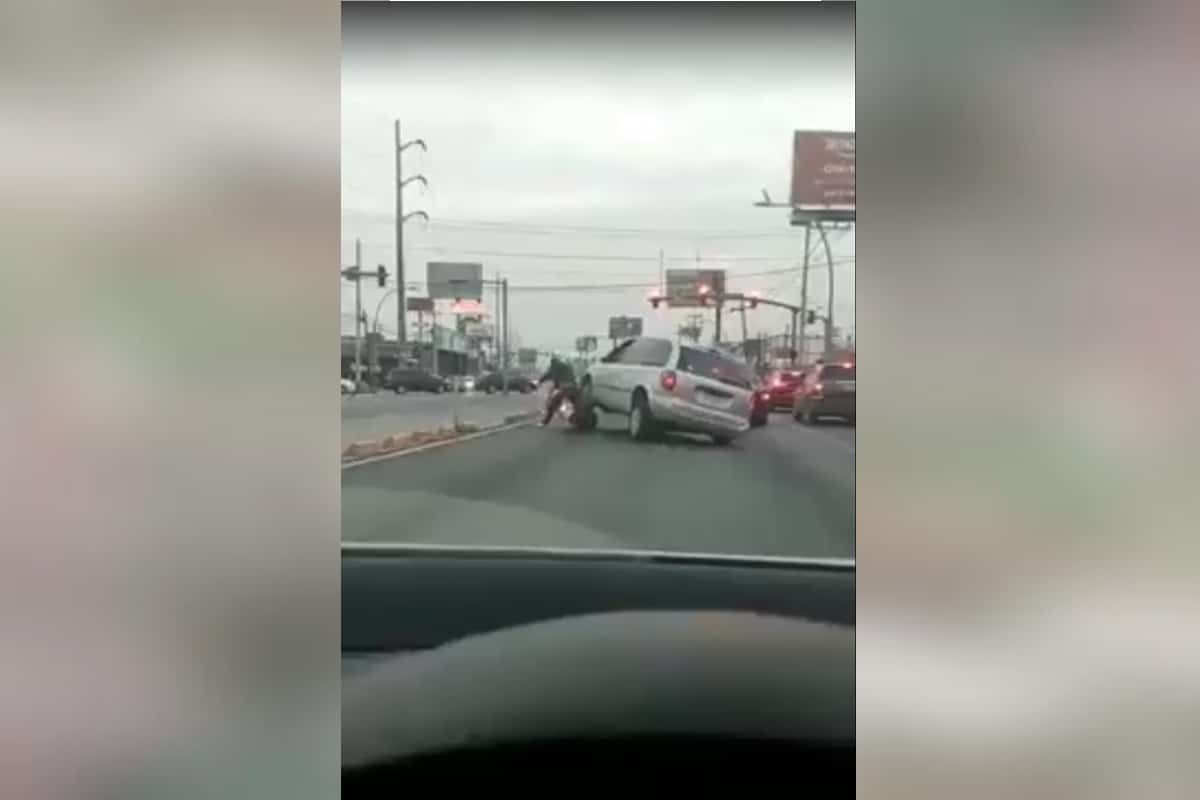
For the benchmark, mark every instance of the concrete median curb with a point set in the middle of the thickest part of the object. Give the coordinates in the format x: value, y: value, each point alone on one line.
x: 396, y: 445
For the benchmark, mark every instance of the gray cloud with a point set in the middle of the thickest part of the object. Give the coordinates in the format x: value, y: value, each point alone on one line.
x: 625, y: 124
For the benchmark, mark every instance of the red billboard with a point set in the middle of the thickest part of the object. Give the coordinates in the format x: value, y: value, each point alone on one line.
x: 823, y: 168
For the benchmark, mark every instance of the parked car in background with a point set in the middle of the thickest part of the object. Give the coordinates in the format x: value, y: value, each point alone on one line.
x: 463, y: 383
x: 663, y: 386
x: 413, y: 379
x: 781, y: 384
x: 826, y: 391
x: 348, y: 386
x: 494, y: 382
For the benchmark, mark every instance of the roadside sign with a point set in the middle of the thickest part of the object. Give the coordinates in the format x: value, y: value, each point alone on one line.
x: 683, y: 285
x: 624, y: 327
x: 823, y: 169
x: 422, y: 304
x: 478, y: 330
x: 466, y: 307
x: 454, y: 280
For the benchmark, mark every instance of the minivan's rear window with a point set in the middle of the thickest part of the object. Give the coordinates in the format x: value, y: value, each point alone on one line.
x: 716, y: 366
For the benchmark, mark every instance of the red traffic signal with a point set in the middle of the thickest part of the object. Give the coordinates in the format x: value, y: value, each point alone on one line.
x: 753, y: 299
x: 655, y: 299
x: 703, y: 293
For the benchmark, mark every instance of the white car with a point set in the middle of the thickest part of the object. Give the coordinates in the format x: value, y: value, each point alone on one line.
x: 661, y: 385
x: 348, y: 386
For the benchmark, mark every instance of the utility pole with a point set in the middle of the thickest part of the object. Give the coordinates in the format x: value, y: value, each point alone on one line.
x: 357, y: 311
x: 795, y: 353
x: 720, y: 301
x: 401, y: 217
x: 507, y: 327
x: 661, y: 281
x: 798, y: 326
x: 497, y: 331
x: 829, y: 309
x: 433, y: 337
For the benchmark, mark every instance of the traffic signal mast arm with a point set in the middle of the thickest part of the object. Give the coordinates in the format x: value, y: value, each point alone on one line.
x: 751, y: 299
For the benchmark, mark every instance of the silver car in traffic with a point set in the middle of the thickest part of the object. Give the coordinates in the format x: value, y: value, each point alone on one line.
x: 660, y: 385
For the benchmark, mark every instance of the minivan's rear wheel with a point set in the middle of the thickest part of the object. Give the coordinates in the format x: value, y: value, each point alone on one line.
x: 641, y: 424
x: 585, y: 409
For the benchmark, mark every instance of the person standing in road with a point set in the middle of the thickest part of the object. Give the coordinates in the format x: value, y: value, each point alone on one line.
x: 562, y: 376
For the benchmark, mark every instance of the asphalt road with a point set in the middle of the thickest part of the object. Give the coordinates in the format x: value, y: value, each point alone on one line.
x: 369, y: 416
x: 786, y: 489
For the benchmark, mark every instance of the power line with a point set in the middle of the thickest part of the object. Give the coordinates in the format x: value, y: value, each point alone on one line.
x: 649, y: 283
x: 559, y: 230
x: 712, y: 259
x: 567, y: 228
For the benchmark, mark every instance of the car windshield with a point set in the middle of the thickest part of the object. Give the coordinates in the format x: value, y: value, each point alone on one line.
x: 627, y: 239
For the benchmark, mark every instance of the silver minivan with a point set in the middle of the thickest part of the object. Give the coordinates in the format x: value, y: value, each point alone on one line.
x: 660, y: 385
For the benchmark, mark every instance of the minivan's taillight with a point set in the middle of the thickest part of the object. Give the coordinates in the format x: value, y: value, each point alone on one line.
x: 668, y: 379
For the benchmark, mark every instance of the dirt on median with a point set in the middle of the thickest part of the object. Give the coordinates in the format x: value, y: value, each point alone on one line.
x: 407, y: 441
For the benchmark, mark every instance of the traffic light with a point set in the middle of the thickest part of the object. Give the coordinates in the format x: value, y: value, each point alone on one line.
x: 655, y: 299
x: 753, y: 298
x: 382, y: 274
x: 811, y: 318
x: 703, y: 293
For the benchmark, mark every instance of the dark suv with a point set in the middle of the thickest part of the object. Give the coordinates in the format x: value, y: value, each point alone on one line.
x: 494, y: 382
x: 827, y: 390
x: 411, y: 379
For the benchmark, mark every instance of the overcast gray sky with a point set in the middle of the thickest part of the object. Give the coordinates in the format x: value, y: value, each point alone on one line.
x: 659, y: 131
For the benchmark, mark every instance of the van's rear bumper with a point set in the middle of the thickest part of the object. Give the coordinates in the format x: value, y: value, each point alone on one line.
x: 841, y: 405
x: 686, y: 416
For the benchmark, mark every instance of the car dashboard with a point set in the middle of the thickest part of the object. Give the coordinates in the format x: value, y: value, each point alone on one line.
x: 490, y: 661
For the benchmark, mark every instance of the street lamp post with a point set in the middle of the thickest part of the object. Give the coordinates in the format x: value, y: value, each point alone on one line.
x: 838, y: 218
x: 401, y: 218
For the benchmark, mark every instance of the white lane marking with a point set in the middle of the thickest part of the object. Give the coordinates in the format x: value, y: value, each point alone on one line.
x: 434, y: 445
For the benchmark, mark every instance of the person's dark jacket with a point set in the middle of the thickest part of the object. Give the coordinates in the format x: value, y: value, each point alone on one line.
x: 560, y: 374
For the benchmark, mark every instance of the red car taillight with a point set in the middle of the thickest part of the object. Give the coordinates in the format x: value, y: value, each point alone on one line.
x: 668, y: 379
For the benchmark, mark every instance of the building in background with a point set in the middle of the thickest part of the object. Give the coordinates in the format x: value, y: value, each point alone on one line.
x: 455, y: 355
